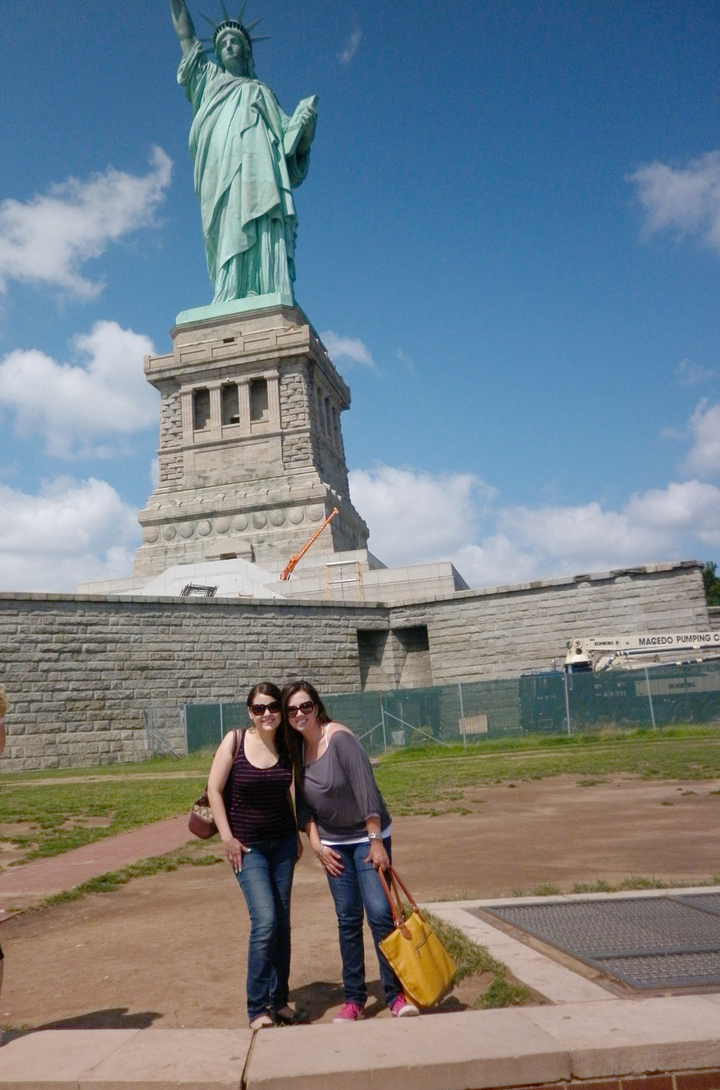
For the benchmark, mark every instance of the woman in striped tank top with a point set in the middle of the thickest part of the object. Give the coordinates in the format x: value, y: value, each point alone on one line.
x: 257, y: 825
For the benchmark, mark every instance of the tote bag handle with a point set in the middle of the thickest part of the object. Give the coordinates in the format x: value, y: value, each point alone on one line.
x: 394, y: 900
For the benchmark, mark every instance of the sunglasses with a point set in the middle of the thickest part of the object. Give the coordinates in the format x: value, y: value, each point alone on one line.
x: 306, y: 707
x: 260, y: 709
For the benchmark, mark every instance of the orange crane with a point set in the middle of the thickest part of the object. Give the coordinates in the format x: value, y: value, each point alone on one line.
x: 295, y: 560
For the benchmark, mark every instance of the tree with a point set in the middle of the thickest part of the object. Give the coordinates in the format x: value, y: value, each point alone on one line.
x: 712, y: 584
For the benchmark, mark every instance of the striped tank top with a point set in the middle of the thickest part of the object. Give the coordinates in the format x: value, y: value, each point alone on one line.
x: 259, y: 806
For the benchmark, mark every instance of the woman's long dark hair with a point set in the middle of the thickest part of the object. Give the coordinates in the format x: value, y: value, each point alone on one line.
x: 294, y: 741
x: 266, y: 688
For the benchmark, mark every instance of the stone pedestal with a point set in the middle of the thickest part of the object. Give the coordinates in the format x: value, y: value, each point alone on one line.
x: 251, y: 457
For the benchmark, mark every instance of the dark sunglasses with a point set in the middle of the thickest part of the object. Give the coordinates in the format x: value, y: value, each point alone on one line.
x: 306, y: 707
x: 260, y: 709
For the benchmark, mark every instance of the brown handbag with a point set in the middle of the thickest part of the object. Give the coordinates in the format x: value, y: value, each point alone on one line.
x: 201, y: 822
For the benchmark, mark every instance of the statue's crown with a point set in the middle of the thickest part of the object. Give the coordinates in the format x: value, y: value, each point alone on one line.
x: 233, y: 24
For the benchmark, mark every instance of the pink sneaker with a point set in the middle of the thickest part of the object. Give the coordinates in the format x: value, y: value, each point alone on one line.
x: 401, y: 1008
x: 351, y: 1012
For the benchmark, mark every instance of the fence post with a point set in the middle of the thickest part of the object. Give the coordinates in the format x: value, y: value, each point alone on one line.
x: 652, y: 710
x: 567, y: 700
x: 222, y: 731
x: 462, y: 715
x: 183, y: 720
x: 382, y: 719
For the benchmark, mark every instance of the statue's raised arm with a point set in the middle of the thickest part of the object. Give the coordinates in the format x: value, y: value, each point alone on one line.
x: 248, y: 156
x: 183, y: 26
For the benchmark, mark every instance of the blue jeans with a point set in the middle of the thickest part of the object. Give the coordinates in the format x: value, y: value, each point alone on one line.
x: 358, y: 888
x: 266, y: 880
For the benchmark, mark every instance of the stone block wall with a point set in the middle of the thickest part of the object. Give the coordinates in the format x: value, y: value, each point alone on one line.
x: 81, y: 671
x: 293, y: 399
x: 170, y: 466
x: 503, y: 632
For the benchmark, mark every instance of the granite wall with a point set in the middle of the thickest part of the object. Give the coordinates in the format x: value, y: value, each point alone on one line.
x: 81, y: 671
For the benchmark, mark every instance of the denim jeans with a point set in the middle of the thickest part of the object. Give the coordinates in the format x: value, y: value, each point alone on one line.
x: 266, y: 880
x: 356, y: 888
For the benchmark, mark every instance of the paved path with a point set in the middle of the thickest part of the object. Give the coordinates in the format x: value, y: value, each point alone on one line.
x: 22, y: 885
x: 111, y: 777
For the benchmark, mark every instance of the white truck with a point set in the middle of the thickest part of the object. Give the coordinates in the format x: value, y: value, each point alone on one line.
x: 639, y: 651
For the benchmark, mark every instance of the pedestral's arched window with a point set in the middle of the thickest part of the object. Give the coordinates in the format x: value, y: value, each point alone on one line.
x: 201, y: 409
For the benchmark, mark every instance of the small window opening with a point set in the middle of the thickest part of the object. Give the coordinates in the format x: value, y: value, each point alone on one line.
x: 258, y: 399
x: 328, y: 423
x: 228, y: 340
x: 320, y: 408
x: 201, y: 409
x: 230, y: 405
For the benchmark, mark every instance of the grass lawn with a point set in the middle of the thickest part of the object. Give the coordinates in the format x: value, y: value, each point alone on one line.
x: 53, y: 818
x: 53, y: 815
x: 416, y: 779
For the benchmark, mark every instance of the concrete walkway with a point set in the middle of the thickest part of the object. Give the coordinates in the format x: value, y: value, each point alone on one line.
x: 29, y: 882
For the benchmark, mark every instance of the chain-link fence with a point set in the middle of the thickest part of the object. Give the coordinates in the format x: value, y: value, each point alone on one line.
x: 544, y: 702
x: 165, y: 734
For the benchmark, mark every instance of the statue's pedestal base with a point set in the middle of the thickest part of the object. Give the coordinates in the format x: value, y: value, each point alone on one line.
x: 237, y: 306
x: 251, y: 458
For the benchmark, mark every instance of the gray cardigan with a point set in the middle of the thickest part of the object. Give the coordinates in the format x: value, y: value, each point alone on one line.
x: 339, y: 791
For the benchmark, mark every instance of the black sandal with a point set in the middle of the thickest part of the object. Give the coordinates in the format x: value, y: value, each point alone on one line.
x: 297, y: 1018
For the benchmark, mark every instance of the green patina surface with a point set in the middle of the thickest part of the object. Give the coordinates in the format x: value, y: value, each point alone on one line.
x: 248, y: 156
x: 235, y: 306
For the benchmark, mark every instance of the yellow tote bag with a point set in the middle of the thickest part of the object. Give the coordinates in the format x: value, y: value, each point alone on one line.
x: 418, y: 958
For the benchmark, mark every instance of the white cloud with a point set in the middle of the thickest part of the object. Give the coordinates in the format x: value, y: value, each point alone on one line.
x: 704, y: 425
x: 346, y: 348
x: 689, y: 373
x: 82, y: 408
x: 48, y: 239
x: 686, y: 200
x: 72, y: 531
x: 347, y: 54
x: 415, y: 517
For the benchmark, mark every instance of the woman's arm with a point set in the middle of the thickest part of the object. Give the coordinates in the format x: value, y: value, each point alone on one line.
x: 219, y: 772
x: 290, y: 796
x: 183, y: 26
x: 377, y: 854
x: 330, y: 859
x: 358, y: 770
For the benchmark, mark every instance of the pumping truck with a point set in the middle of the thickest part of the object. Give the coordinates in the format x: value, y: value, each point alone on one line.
x: 596, y: 655
x: 645, y: 678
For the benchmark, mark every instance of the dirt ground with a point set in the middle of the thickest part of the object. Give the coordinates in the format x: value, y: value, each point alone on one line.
x: 170, y: 950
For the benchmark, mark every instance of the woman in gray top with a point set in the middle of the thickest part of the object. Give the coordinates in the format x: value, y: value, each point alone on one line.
x: 347, y: 823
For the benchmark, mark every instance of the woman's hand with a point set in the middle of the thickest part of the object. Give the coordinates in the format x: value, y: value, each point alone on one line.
x: 234, y: 852
x: 377, y: 855
x: 331, y: 861
x: 299, y: 848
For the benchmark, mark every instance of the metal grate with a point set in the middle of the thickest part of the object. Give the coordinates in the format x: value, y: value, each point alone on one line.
x: 647, y: 942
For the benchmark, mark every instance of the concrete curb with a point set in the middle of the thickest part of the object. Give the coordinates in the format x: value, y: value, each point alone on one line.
x: 613, y: 1040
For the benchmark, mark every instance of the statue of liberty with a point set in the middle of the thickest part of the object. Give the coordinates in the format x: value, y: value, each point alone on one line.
x: 248, y: 156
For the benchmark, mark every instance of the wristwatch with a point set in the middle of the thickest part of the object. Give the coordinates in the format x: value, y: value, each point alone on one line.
x: 374, y: 836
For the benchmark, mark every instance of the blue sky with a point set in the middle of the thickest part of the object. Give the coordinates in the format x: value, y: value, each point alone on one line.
x: 509, y: 237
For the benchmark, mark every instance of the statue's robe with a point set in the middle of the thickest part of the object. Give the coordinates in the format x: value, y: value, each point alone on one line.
x: 243, y: 179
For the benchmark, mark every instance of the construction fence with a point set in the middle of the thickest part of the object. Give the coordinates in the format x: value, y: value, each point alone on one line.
x: 544, y: 702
